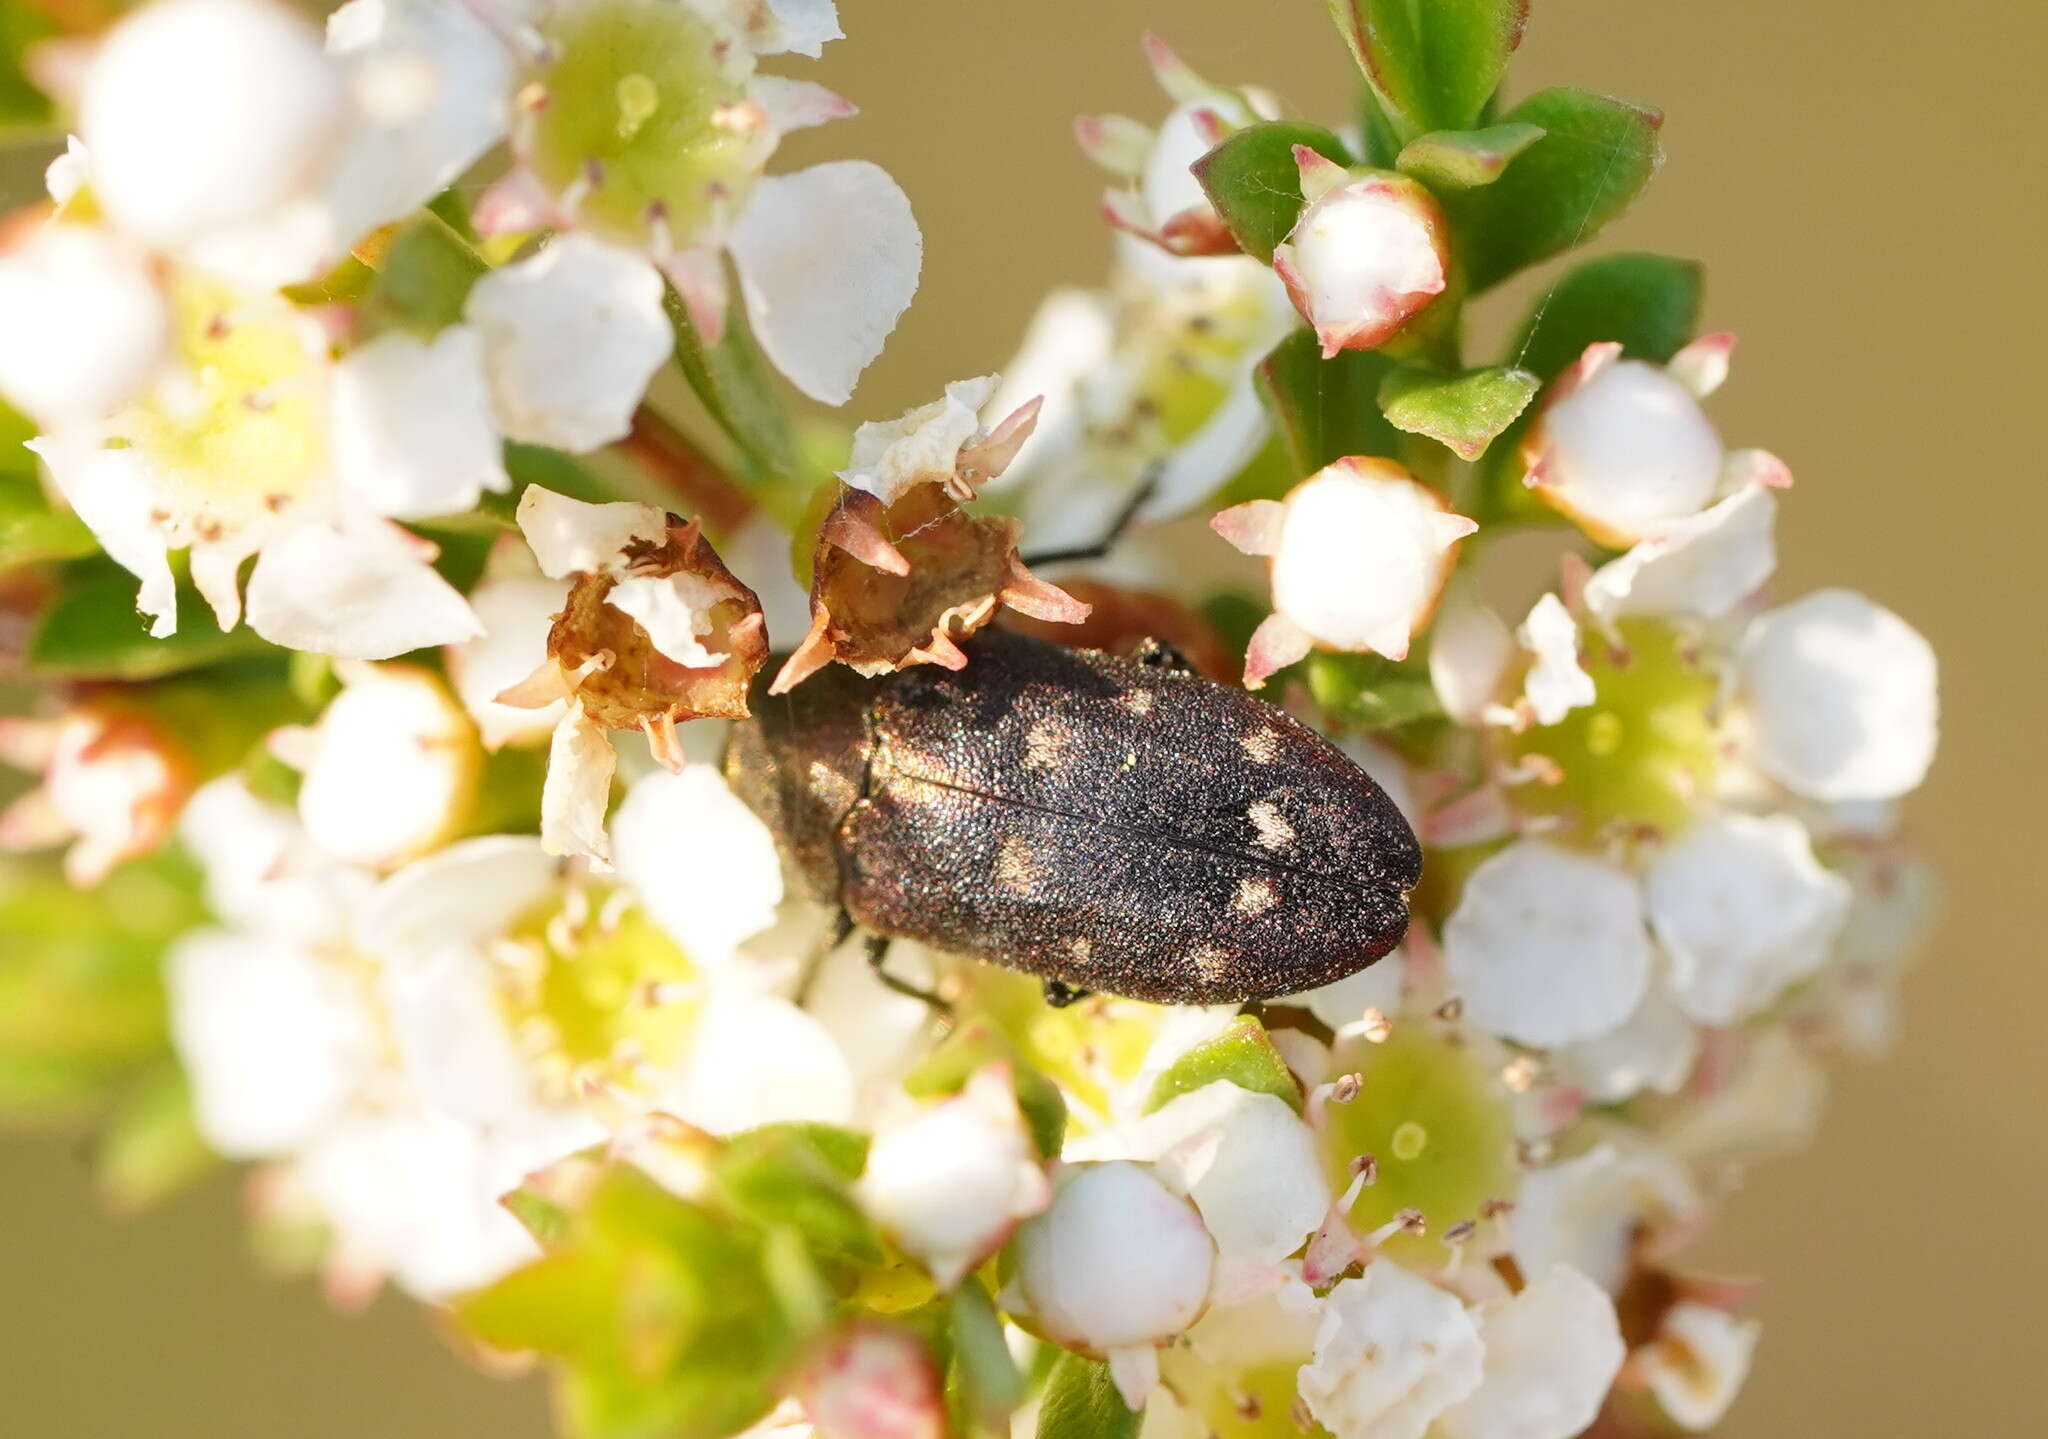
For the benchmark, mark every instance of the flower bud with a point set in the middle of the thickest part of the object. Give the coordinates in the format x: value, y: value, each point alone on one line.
x: 1366, y: 254
x: 873, y: 1381
x: 392, y: 769
x: 114, y: 783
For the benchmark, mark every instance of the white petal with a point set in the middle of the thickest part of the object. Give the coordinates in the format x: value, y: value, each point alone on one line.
x: 261, y: 871
x: 1068, y: 340
x: 1118, y: 1260
x: 1167, y: 184
x: 796, y: 104
x: 432, y: 87
x: 828, y: 258
x: 1551, y: 1353
x: 1698, y: 1362
x: 801, y: 27
x: 1547, y: 946
x: 1393, y: 1352
x: 86, y: 325
x: 1630, y: 451
x: 578, y: 788
x: 1585, y: 1212
x: 111, y: 492
x: 572, y: 336
x: 358, y: 593
x: 1743, y: 909
x: 760, y: 1060
x: 919, y: 446
x: 412, y: 426
x: 1360, y: 563
x: 1557, y: 683
x: 704, y: 867
x: 516, y: 614
x: 570, y: 537
x: 1702, y: 565
x: 275, y: 1040
x: 674, y: 610
x: 1844, y: 697
x: 1769, y: 1104
x: 1469, y: 650
x: 1377, y: 986
x: 1653, y: 1050
x: 458, y: 896
x: 449, y: 1023
x: 1251, y: 1167
x: 392, y: 769
x: 948, y: 1182
x: 198, y: 114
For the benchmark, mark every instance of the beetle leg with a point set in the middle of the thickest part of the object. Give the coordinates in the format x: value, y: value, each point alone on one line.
x: 1144, y: 491
x: 878, y: 951
x: 1157, y: 654
x: 1059, y: 994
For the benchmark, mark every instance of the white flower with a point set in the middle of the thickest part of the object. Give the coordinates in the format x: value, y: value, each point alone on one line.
x: 708, y: 869
x: 1743, y: 909
x: 87, y: 325
x: 1551, y: 1353
x: 1623, y: 448
x: 940, y: 443
x: 1843, y: 697
x: 113, y: 782
x: 1253, y: 1171
x: 1469, y: 651
x: 1586, y: 1212
x: 872, y: 1381
x: 1360, y: 552
x: 198, y: 115
x: 1118, y: 1265
x: 1547, y: 946
x: 1365, y: 255
x: 571, y: 337
x: 391, y: 767
x: 1393, y: 1353
x: 1557, y: 683
x: 413, y: 430
x: 358, y: 590
x: 1766, y: 1101
x: 950, y: 1181
x: 1697, y: 1363
x: 757, y: 1059
x: 828, y: 259
x: 1701, y: 565
x: 516, y: 605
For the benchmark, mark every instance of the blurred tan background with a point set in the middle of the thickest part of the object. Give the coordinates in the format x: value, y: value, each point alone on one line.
x: 1865, y: 180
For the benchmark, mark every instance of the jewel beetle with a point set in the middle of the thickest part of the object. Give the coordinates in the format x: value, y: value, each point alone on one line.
x: 1105, y: 823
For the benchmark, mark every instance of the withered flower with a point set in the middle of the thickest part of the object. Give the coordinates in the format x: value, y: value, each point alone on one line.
x: 654, y: 630
x: 1120, y: 619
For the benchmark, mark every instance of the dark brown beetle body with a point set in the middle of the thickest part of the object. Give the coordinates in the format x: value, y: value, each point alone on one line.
x: 1105, y: 823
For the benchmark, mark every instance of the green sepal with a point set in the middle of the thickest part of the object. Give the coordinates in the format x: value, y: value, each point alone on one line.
x: 1462, y: 412
x: 1326, y: 409
x: 1465, y: 159
x: 424, y: 277
x: 736, y: 385
x: 152, y: 1147
x: 970, y: 1049
x: 1433, y: 65
x: 1081, y: 1402
x: 1371, y: 692
x: 91, y: 630
x: 1243, y: 1054
x: 984, y: 1375
x: 1596, y: 155
x: 31, y: 529
x: 1252, y: 180
x: 1647, y: 303
x: 776, y: 1177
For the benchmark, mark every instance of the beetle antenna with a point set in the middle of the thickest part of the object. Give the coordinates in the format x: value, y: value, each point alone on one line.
x: 1140, y: 495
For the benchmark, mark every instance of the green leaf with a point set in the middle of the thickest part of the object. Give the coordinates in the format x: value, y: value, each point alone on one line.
x: 1252, y: 180
x: 1371, y: 692
x: 1464, y: 159
x: 1649, y: 303
x: 1463, y: 412
x: 1242, y: 1054
x: 736, y: 385
x: 1326, y: 409
x: 987, y: 1376
x: 1081, y: 1402
x: 22, y: 104
x: 776, y: 1178
x: 153, y: 1147
x: 972, y: 1048
x: 1432, y: 63
x: 91, y: 631
x: 424, y: 276
x: 32, y: 532
x: 1596, y: 155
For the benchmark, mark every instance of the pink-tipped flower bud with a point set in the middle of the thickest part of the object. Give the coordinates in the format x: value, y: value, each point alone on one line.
x: 1367, y: 253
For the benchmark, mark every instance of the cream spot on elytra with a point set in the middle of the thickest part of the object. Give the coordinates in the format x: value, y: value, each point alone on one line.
x: 1274, y: 830
x: 1015, y: 867
x: 1138, y: 702
x: 1046, y: 744
x: 1212, y: 963
x: 1080, y: 948
x: 1254, y: 896
x: 1262, y: 745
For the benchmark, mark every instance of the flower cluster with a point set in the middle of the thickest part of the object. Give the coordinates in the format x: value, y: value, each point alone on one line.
x: 432, y: 868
